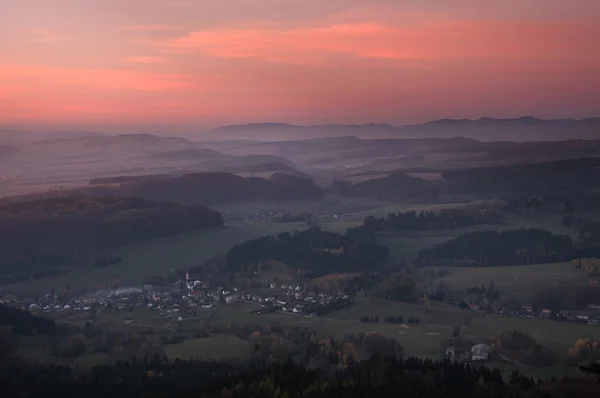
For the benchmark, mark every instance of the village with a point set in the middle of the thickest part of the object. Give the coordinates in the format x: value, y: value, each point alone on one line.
x: 182, y: 299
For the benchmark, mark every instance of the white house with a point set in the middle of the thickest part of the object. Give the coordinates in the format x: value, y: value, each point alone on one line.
x: 480, y: 352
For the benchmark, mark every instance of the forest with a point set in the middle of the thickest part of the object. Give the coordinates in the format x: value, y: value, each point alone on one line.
x: 573, y: 176
x: 495, y: 248
x: 379, y: 376
x: 427, y: 220
x: 37, y: 236
x: 564, y: 180
x: 208, y: 188
x: 313, y: 251
x: 397, y: 186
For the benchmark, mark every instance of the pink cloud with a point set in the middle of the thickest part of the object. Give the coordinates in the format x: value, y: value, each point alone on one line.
x: 99, y: 79
x: 439, y: 40
x: 150, y: 28
x: 144, y: 60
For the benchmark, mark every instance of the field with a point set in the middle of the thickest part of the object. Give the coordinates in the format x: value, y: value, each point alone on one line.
x: 155, y: 257
x: 515, y: 282
x: 406, y: 245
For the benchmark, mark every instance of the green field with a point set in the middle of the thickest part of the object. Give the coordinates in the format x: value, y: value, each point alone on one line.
x: 155, y: 257
x: 418, y: 340
x: 515, y: 282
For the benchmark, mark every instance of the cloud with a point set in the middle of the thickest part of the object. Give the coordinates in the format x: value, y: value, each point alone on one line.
x: 98, y: 79
x: 430, y: 40
x: 150, y: 28
x: 144, y: 60
x: 43, y: 37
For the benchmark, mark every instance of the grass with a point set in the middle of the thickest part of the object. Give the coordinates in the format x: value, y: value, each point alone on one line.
x: 558, y: 336
x: 217, y: 346
x: 155, y: 257
x: 515, y: 282
x: 422, y: 340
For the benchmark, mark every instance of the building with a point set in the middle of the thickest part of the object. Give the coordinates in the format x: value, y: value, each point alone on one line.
x: 450, y: 351
x: 480, y: 352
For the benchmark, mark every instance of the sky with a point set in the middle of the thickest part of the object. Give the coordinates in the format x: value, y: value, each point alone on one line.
x: 212, y: 62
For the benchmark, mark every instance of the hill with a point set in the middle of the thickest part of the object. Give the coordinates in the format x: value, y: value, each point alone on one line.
x: 8, y: 151
x: 190, y: 154
x: 311, y: 252
x: 397, y: 186
x: 38, y: 237
x: 573, y: 175
x: 486, y: 129
x: 210, y: 188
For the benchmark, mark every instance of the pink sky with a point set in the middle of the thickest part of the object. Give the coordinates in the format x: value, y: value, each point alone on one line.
x: 208, y: 62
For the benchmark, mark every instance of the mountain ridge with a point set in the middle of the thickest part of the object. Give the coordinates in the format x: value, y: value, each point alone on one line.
x: 524, y: 128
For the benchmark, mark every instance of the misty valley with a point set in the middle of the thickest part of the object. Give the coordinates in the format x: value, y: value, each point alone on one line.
x: 355, y: 247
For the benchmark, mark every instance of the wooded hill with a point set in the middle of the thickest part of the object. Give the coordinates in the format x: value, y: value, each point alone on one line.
x: 38, y: 235
x: 494, y: 248
x: 313, y: 252
x: 208, y: 188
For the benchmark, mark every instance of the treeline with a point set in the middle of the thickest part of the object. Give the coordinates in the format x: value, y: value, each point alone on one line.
x: 493, y: 248
x: 522, y: 348
x: 392, y: 286
x: 397, y: 186
x: 37, y: 238
x: 376, y: 377
x: 564, y: 180
x: 584, y: 350
x: 556, y: 177
x: 313, y: 252
x: 589, y: 266
x: 389, y: 319
x: 425, y: 220
x: 208, y: 188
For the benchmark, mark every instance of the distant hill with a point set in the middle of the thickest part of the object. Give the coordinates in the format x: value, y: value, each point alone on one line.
x: 215, y: 188
x: 209, y: 188
x: 191, y: 154
x: 8, y: 151
x: 397, y: 186
x: 112, y: 145
x: 485, y: 129
x: 570, y: 179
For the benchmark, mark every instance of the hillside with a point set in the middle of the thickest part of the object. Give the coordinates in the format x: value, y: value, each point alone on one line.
x: 210, y: 188
x: 38, y: 236
x: 573, y: 175
x: 397, y: 186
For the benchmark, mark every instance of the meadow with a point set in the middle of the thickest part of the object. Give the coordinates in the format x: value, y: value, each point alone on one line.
x: 154, y: 257
x: 515, y: 282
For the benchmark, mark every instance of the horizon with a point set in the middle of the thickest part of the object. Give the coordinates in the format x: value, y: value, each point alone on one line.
x: 187, y: 65
x: 188, y: 130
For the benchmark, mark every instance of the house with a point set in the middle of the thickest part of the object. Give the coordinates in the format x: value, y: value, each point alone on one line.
x: 450, y: 351
x: 297, y: 309
x: 480, y: 352
x: 546, y: 313
x: 526, y: 309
